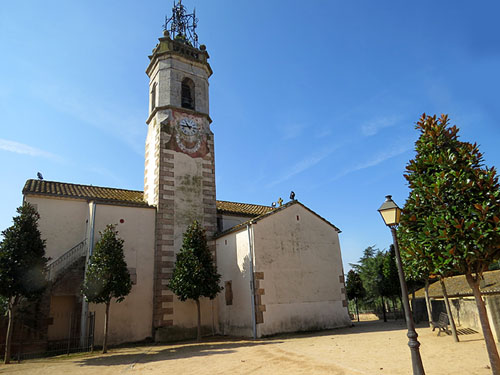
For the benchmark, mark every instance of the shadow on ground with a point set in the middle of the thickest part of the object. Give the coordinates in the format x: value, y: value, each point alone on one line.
x: 172, y: 352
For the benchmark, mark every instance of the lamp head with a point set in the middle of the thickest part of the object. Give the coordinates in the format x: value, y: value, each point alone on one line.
x: 390, y: 212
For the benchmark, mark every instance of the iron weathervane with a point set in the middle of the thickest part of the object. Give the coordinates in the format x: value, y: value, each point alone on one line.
x: 182, y: 26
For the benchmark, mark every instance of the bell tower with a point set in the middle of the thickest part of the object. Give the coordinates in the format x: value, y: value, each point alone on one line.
x: 179, y: 175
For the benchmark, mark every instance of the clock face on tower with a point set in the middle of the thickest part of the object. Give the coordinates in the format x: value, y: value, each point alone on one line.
x: 188, y: 126
x: 188, y: 136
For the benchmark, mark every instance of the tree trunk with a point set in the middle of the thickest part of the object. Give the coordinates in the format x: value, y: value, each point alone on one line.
x: 383, y: 308
x: 428, y: 302
x: 106, y: 324
x: 198, y: 336
x: 448, y: 310
x: 10, y: 329
x: 357, y: 311
x: 413, y: 312
x: 485, y: 325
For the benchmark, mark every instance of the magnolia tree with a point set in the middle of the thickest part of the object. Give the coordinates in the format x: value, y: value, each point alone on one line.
x: 22, y: 265
x: 452, y: 214
x: 107, y: 276
x: 195, y: 274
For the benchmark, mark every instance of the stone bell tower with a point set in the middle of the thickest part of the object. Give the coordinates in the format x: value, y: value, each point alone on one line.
x: 179, y: 176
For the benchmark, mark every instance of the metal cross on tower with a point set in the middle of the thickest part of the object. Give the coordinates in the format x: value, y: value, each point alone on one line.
x: 182, y: 26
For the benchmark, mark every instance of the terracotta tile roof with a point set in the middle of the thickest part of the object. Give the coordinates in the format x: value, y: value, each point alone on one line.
x: 271, y: 211
x: 457, y: 286
x: 123, y: 196
x: 243, y: 209
x: 102, y: 194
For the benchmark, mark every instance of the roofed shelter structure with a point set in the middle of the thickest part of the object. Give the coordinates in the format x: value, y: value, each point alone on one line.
x: 463, y: 305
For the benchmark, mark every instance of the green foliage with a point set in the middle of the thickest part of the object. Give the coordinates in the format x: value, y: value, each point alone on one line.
x: 389, y: 286
x: 4, y: 305
x: 107, y: 275
x: 379, y: 277
x: 369, y: 269
x: 354, y: 286
x: 22, y: 257
x: 450, y: 221
x: 195, y: 274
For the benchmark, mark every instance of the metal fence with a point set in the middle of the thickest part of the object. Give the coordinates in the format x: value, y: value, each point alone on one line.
x: 29, y: 349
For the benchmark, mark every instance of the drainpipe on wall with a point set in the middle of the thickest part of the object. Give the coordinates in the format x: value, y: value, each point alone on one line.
x: 252, y: 283
x: 90, y: 244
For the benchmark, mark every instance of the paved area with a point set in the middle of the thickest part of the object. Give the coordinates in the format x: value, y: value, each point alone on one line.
x: 367, y: 348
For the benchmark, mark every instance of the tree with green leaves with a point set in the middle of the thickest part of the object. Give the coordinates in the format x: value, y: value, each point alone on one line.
x: 390, y: 282
x: 22, y: 265
x: 195, y: 274
x: 354, y: 288
x: 107, y: 276
x: 390, y: 286
x: 452, y: 214
x: 415, y: 269
x: 369, y: 269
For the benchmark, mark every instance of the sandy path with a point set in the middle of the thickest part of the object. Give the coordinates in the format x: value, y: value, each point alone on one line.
x: 368, y: 348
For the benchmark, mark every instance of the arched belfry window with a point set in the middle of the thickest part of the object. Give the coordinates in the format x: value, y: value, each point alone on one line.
x: 187, y: 93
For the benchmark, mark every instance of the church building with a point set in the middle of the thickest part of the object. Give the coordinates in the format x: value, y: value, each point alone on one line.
x: 281, y: 266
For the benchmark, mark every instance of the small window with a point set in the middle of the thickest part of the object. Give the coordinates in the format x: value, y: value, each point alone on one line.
x: 187, y: 93
x: 153, y: 97
x: 229, y: 292
x: 133, y: 275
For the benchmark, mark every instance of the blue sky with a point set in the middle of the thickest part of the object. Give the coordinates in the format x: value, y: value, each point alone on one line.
x: 319, y: 97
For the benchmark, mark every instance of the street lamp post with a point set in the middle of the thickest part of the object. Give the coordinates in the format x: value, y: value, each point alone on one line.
x: 391, y: 214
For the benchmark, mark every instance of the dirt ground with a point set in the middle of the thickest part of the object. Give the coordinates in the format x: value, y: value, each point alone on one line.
x: 370, y: 347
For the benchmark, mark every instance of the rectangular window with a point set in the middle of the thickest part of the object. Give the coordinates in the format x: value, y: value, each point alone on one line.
x: 153, y: 97
x: 133, y: 275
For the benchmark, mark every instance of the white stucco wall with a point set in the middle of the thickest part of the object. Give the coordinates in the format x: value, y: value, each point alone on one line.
x: 233, y: 265
x: 130, y: 320
x: 299, y: 254
x: 229, y: 221
x: 63, y: 223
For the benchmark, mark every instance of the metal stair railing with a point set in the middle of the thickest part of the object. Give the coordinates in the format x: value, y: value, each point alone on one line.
x: 66, y: 259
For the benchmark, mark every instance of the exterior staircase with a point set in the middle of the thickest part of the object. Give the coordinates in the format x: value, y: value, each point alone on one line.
x: 66, y: 260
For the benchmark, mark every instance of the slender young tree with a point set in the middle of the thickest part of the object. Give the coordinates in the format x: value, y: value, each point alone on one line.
x: 195, y: 274
x: 453, y: 211
x: 22, y: 265
x: 354, y: 288
x: 107, y: 276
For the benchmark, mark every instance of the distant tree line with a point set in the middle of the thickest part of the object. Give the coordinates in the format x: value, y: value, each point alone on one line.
x: 373, y: 284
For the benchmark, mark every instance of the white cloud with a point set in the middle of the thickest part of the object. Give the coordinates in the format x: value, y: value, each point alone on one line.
x: 292, y: 131
x: 21, y: 148
x: 108, y: 117
x: 302, y: 165
x: 373, y: 127
x: 376, y: 160
x: 105, y: 173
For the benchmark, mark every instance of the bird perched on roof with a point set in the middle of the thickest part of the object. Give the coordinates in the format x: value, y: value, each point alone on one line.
x: 39, y: 175
x: 292, y: 196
